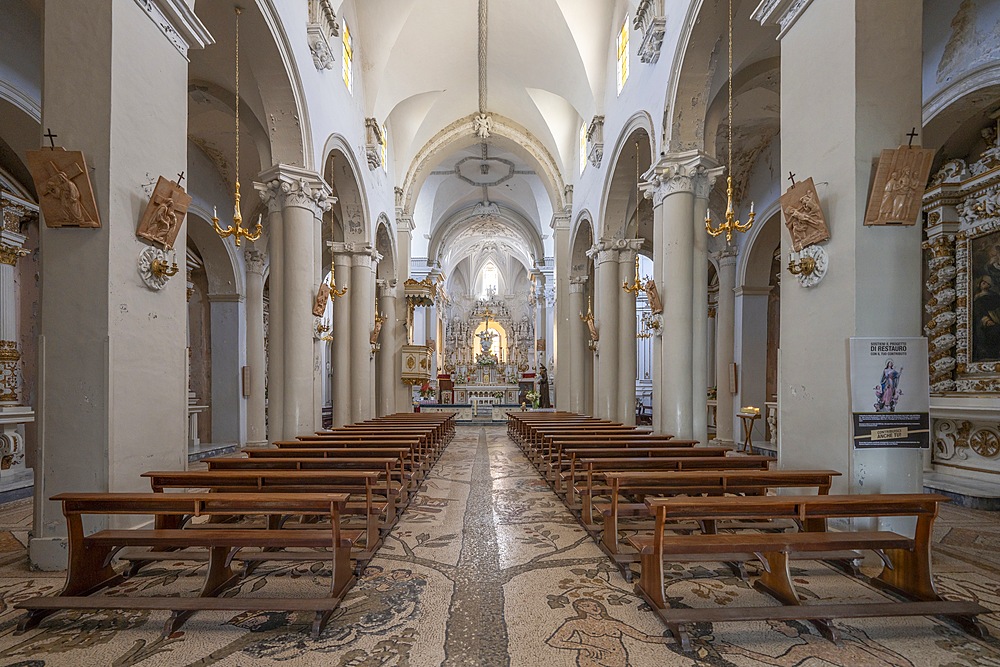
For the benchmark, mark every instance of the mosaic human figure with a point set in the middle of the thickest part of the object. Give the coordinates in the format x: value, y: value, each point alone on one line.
x: 597, y: 637
x: 855, y: 648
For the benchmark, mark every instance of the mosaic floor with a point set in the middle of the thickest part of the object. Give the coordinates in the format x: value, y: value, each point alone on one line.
x: 487, y: 568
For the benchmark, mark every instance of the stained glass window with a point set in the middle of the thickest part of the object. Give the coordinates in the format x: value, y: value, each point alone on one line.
x: 385, y: 150
x: 623, y: 55
x: 348, y: 59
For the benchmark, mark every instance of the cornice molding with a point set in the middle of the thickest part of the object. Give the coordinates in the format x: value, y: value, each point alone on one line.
x: 178, y: 23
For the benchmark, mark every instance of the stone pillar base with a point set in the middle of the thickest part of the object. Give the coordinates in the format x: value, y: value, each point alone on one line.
x: 48, y: 554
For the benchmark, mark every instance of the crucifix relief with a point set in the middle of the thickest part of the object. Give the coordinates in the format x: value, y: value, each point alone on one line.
x: 63, y: 184
x: 164, y: 213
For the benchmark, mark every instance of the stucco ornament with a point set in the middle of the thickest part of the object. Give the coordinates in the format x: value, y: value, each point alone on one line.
x: 482, y: 125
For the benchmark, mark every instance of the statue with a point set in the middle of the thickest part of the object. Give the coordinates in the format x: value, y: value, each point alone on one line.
x: 543, y: 387
x: 653, y: 294
x: 319, y: 307
x: 482, y: 125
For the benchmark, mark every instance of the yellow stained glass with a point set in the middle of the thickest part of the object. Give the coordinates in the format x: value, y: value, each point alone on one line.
x: 623, y: 55
x: 348, y: 59
x: 385, y: 149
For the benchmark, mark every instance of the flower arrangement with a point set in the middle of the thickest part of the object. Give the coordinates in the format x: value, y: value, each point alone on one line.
x: 426, y: 391
x: 534, y: 397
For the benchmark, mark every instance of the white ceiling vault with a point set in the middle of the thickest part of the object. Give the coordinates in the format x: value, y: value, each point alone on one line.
x: 538, y: 65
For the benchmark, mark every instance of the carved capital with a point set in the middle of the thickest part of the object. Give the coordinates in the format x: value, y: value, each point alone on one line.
x: 10, y: 254
x: 650, y: 22
x: 10, y: 371
x: 255, y: 261
x: 16, y: 212
x: 726, y: 256
x: 595, y: 140
x: 284, y: 186
x: 679, y: 172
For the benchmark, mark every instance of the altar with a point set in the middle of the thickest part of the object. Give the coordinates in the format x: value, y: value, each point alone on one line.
x: 487, y: 357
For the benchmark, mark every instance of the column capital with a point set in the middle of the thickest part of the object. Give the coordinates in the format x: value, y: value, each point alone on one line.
x: 386, y: 287
x: 782, y: 13
x: 15, y: 211
x: 676, y: 172
x: 255, y: 261
x: 560, y: 221
x: 578, y: 284
x: 283, y: 186
x: 359, y: 253
x: 726, y: 256
x: 404, y: 223
x: 628, y: 251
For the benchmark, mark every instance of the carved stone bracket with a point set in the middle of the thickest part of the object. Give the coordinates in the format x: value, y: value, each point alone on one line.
x: 320, y: 31
x: 677, y: 172
x: 595, y: 141
x: 373, y: 143
x: 650, y: 22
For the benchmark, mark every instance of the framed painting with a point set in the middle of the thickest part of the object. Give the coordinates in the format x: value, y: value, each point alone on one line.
x: 977, y: 259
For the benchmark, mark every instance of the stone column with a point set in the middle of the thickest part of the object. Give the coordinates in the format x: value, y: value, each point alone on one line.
x: 341, y: 345
x: 275, y: 324
x: 385, y: 390
x: 566, y: 319
x: 577, y: 350
x: 302, y: 197
x: 627, y: 348
x: 404, y: 233
x: 362, y: 322
x: 703, y: 180
x: 836, y: 117
x: 118, y: 409
x: 670, y: 181
x: 725, y: 331
x: 256, y: 435
x: 14, y: 472
x: 609, y: 290
x: 540, y: 319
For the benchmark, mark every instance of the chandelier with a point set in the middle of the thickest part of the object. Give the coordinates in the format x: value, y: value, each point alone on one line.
x: 237, y: 229
x: 731, y: 224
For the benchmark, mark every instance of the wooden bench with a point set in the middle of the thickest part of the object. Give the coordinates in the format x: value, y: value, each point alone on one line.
x: 376, y: 502
x: 396, y: 463
x: 643, y: 483
x: 564, y: 460
x: 590, y: 485
x: 907, y: 570
x: 90, y: 556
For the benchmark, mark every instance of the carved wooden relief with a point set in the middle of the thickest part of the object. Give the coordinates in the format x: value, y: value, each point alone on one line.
x: 803, y: 215
x: 899, y: 185
x: 161, y: 221
x: 64, y: 191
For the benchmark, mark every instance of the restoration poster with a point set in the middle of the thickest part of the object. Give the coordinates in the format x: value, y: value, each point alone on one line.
x: 890, y: 392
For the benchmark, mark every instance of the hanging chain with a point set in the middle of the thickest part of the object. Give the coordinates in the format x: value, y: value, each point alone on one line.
x: 238, y: 12
x: 730, y: 88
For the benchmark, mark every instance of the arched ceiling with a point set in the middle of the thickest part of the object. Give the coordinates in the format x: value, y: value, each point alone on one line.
x: 545, y: 65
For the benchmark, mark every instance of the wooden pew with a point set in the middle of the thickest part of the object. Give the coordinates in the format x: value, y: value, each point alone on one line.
x: 564, y: 459
x: 400, y: 462
x: 90, y: 556
x: 377, y: 501
x: 907, y: 571
x: 589, y: 485
x: 646, y: 483
x: 420, y: 452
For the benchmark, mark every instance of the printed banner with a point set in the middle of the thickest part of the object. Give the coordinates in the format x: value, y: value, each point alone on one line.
x: 890, y: 392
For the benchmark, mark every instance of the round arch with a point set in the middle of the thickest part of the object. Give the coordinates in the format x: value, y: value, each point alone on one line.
x: 459, y: 135
x: 619, y: 200
x: 343, y: 173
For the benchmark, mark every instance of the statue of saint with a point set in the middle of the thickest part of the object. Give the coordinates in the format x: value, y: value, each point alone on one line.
x: 543, y: 387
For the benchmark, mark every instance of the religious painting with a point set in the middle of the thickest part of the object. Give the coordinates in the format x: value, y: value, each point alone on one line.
x: 63, y: 184
x: 803, y: 215
x: 896, y: 196
x: 890, y: 392
x: 984, y: 297
x: 161, y: 221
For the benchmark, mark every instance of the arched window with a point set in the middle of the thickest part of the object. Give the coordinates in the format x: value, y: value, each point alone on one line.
x: 348, y: 58
x: 583, y: 146
x: 623, y: 55
x: 491, y: 281
x: 385, y: 150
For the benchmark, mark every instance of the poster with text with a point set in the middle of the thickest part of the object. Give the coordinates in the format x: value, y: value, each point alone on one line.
x: 890, y: 392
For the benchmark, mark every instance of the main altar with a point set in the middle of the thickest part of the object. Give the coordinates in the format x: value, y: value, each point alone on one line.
x: 487, y: 356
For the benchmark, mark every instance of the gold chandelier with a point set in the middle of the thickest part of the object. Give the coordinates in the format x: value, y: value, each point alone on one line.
x: 731, y: 224
x: 237, y: 229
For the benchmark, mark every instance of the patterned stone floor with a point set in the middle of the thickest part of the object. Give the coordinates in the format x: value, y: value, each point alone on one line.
x: 487, y: 568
